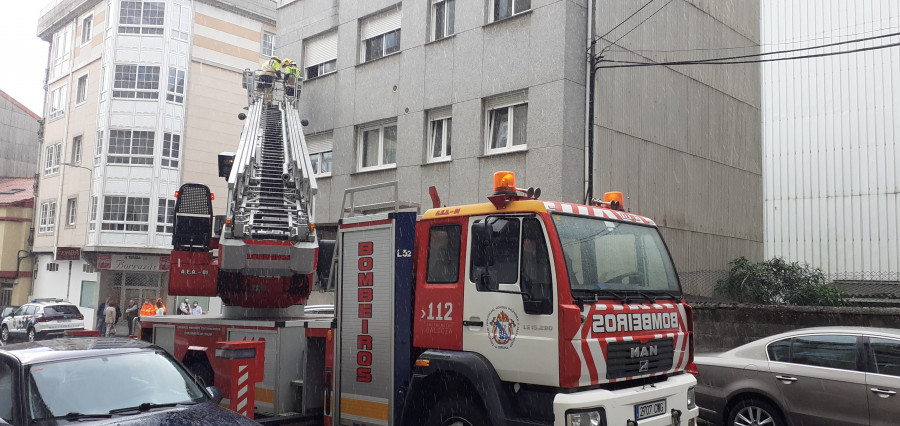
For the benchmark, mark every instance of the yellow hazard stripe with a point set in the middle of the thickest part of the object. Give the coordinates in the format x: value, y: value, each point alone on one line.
x: 368, y: 409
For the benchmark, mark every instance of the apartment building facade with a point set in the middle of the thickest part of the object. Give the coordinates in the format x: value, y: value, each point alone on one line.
x: 446, y: 92
x: 141, y: 96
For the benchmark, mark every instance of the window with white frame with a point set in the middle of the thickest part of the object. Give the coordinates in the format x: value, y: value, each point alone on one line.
x: 320, y: 54
x: 142, y: 17
x: 175, y: 87
x: 443, y: 17
x: 136, y: 81
x: 180, y: 19
x: 506, y: 121
x: 320, y: 149
x: 58, y: 102
x: 268, y: 44
x: 377, y: 146
x: 125, y: 213
x: 439, y: 131
x: 130, y: 147
x: 98, y: 152
x: 165, y: 216
x: 87, y: 29
x: 47, y: 217
x: 71, y: 212
x: 92, y: 214
x: 502, y: 9
x: 75, y: 157
x: 82, y: 90
x: 52, y: 159
x: 102, y: 88
x: 171, y: 150
x: 380, y: 34
x: 60, y: 53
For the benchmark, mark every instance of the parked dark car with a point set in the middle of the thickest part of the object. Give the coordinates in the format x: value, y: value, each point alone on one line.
x: 103, y: 381
x: 814, y: 376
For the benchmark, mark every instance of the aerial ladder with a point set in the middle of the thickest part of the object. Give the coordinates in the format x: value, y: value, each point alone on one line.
x: 267, y: 247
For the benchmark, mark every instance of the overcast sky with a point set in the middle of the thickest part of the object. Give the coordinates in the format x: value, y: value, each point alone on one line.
x: 23, y: 56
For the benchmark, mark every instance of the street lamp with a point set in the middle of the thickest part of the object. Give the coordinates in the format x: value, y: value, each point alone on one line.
x: 80, y: 167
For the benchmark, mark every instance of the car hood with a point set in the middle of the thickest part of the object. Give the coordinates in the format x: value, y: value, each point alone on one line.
x: 207, y: 413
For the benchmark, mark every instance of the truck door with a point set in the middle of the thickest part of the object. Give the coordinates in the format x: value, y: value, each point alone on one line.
x: 516, y: 332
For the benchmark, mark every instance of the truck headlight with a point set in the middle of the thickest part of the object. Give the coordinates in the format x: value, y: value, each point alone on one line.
x: 691, y: 400
x: 586, y: 418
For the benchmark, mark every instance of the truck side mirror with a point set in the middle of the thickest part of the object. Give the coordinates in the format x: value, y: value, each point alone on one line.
x: 486, y: 282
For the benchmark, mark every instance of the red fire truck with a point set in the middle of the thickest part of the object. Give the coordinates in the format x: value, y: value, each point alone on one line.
x: 515, y: 311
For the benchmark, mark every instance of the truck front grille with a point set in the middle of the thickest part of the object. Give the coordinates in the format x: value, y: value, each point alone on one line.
x: 630, y: 359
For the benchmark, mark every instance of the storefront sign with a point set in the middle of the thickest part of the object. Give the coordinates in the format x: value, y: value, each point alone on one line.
x: 68, y: 253
x: 133, y: 262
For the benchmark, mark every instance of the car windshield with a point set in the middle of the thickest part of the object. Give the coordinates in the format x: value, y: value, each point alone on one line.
x: 100, y: 384
x: 61, y: 310
x: 609, y: 255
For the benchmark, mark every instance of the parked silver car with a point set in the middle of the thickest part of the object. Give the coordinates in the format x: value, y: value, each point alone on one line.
x: 814, y: 376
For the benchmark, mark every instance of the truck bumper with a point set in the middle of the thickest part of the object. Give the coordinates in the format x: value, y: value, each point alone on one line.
x: 617, y: 407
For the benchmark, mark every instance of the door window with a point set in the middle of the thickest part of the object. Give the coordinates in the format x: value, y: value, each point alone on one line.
x: 885, y: 356
x: 443, y: 254
x: 503, y: 250
x: 825, y: 351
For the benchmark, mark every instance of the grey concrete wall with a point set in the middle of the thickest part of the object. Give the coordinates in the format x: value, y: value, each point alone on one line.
x: 536, y: 52
x: 684, y: 142
x: 19, y: 149
x: 719, y: 327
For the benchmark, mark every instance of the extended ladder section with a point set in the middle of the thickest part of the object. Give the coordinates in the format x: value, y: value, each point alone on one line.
x: 271, y: 188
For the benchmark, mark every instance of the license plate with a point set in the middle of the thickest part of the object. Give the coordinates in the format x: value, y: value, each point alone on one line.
x: 649, y: 409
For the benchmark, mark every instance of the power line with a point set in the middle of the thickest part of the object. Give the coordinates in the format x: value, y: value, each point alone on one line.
x: 755, y: 61
x: 795, y: 41
x: 596, y: 39
x: 774, y: 52
x: 635, y: 27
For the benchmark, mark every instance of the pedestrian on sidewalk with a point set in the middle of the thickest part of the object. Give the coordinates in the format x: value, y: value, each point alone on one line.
x: 196, y: 310
x: 110, y: 319
x: 101, y: 316
x: 131, y: 312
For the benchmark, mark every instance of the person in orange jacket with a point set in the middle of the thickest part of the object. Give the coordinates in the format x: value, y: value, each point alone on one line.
x: 148, y: 309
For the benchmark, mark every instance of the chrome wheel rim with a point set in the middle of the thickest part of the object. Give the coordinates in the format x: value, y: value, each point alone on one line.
x: 30, y: 335
x: 456, y: 421
x: 4, y: 334
x: 753, y: 416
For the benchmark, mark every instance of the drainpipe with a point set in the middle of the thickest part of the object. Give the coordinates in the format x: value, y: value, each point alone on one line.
x: 589, y: 108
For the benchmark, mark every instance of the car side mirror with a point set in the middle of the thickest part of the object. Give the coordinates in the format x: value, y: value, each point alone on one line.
x: 214, y: 393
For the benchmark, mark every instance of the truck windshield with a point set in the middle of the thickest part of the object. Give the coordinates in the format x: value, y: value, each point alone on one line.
x: 609, y: 255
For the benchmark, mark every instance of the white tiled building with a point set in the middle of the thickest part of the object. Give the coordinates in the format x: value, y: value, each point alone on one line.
x: 141, y: 96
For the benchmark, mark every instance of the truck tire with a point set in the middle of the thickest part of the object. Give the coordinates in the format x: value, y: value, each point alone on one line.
x: 752, y: 412
x: 457, y: 411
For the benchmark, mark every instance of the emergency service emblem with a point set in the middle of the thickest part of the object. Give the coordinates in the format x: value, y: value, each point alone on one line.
x: 503, y: 327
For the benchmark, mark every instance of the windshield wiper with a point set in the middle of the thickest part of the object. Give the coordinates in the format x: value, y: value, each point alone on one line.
x: 73, y: 416
x: 596, y: 295
x: 149, y: 406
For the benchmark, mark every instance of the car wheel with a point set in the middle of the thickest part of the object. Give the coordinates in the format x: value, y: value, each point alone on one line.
x: 755, y: 412
x: 31, y: 336
x: 457, y: 412
x: 4, y: 334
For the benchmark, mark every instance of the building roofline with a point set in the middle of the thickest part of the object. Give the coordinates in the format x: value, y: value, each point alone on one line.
x: 18, y: 104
